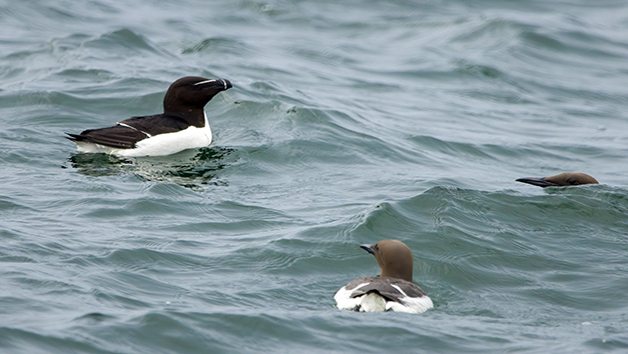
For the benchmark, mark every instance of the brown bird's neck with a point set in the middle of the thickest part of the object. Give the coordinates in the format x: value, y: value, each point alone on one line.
x: 399, y: 268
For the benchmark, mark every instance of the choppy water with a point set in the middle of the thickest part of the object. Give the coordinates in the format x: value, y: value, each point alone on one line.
x: 349, y: 122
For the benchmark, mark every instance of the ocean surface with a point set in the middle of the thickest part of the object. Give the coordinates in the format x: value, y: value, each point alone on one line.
x: 349, y: 122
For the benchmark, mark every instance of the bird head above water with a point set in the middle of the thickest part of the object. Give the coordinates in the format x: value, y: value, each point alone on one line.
x: 394, y: 258
x: 560, y: 180
x: 188, y: 95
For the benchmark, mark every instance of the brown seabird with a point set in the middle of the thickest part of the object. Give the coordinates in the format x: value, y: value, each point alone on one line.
x: 560, y: 180
x: 393, y: 290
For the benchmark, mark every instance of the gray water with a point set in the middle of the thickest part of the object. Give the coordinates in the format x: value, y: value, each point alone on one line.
x: 349, y: 122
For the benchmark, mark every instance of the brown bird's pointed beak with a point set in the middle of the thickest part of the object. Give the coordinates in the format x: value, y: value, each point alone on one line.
x: 367, y: 248
x: 541, y: 182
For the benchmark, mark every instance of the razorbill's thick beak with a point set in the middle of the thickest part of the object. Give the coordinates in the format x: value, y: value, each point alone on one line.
x: 216, y: 84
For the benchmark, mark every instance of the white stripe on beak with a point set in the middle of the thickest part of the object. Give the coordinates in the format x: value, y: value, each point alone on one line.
x: 204, y: 82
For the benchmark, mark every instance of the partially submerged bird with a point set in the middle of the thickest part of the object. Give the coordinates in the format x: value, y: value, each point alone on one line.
x: 183, y: 125
x: 393, y: 290
x: 559, y: 180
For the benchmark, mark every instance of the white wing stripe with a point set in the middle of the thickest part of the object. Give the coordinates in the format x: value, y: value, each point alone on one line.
x: 134, y: 128
x: 399, y: 289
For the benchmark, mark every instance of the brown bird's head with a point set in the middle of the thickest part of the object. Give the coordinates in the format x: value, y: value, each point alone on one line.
x: 560, y: 180
x: 394, y: 258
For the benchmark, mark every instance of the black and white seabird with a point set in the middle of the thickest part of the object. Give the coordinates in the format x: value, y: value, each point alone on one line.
x: 183, y: 125
x: 393, y: 290
x: 560, y: 180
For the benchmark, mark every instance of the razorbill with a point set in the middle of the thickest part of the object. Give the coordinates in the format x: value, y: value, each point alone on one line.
x: 183, y: 125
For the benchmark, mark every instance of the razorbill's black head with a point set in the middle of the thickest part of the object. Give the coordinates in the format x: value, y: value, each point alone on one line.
x: 188, y: 95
